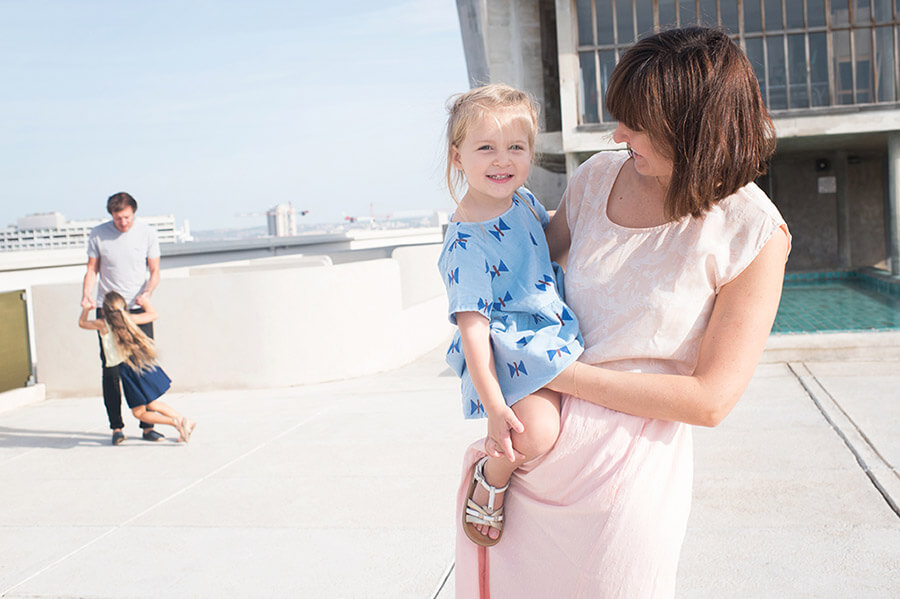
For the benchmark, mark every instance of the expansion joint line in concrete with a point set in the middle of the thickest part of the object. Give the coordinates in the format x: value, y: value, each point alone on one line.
x: 443, y: 581
x: 880, y: 471
x: 165, y: 500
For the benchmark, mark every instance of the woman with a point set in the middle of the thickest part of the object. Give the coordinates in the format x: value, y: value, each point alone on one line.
x: 674, y: 263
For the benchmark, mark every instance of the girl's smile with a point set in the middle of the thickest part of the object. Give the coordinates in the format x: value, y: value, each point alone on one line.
x: 495, y: 157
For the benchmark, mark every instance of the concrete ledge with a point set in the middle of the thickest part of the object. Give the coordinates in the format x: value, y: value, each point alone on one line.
x: 875, y: 345
x: 272, y: 323
x: 17, y: 398
x: 260, y: 264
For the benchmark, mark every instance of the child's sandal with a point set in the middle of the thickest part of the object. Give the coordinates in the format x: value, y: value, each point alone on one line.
x: 477, y: 515
x: 183, y: 431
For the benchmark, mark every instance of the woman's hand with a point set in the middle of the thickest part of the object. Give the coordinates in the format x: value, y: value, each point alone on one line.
x: 498, y: 443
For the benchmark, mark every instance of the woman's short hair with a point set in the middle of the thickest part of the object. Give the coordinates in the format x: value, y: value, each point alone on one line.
x: 118, y: 202
x: 694, y: 92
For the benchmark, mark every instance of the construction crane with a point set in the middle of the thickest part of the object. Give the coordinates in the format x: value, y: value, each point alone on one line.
x: 370, y: 218
x: 270, y: 211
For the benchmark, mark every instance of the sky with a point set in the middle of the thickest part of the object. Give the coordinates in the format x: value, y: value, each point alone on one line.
x: 216, y: 110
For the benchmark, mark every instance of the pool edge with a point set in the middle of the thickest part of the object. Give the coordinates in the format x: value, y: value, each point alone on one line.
x: 855, y: 345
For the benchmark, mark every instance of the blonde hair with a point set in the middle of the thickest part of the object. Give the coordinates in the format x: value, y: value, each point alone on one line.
x: 136, y: 348
x: 467, y: 108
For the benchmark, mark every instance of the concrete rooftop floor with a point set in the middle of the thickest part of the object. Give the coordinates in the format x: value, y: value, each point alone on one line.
x: 346, y: 489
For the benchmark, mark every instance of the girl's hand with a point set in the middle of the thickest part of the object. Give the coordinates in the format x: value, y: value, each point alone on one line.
x: 499, y: 442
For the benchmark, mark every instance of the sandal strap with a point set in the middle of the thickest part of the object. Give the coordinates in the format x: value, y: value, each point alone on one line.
x: 476, y: 514
x: 492, y: 490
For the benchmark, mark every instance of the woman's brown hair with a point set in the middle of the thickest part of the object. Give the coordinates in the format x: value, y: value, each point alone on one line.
x: 135, y: 348
x: 694, y: 92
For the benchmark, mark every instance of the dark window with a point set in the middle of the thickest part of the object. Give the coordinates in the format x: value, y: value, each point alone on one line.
x: 803, y: 57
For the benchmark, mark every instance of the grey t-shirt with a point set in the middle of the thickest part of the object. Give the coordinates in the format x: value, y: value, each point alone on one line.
x: 123, y: 258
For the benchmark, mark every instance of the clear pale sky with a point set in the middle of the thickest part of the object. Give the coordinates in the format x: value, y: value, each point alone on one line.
x: 206, y: 109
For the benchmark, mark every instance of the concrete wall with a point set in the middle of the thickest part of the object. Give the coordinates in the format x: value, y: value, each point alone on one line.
x: 513, y: 42
x: 547, y: 186
x: 502, y: 43
x: 271, y: 327
x: 832, y: 230
x: 866, y: 182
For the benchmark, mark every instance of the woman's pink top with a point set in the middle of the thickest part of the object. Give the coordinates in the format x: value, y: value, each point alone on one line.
x: 644, y: 296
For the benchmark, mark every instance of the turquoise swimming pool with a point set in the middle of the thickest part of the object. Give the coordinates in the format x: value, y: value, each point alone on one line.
x: 826, y: 302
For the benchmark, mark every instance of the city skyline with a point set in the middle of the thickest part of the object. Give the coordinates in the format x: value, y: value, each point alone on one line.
x: 211, y: 114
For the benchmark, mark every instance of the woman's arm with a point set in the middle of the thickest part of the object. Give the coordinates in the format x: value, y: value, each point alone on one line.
x: 558, y: 237
x: 729, y: 352
x: 475, y: 331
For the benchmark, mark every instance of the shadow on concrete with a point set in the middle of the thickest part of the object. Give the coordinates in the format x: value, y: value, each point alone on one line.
x: 50, y: 439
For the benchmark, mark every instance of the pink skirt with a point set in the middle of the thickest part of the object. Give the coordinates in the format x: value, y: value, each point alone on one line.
x: 603, y: 514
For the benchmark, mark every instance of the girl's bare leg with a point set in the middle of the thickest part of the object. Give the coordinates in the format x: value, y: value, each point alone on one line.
x: 159, y: 412
x: 539, y: 413
x: 144, y: 414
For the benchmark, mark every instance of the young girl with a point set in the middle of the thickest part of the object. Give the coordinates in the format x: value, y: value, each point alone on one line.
x: 126, y: 345
x: 514, y: 334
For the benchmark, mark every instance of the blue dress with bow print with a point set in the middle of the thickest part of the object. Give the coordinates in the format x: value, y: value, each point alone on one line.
x: 502, y: 269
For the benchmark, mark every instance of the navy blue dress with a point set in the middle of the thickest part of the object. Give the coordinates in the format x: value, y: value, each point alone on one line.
x: 143, y: 387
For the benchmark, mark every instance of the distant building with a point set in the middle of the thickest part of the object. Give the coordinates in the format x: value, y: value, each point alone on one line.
x: 51, y: 231
x: 282, y: 220
x: 828, y: 71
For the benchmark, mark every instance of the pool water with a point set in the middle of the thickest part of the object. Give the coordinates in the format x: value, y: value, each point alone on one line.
x: 837, y: 302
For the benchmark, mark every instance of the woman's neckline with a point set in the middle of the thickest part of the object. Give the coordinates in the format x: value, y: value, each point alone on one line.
x: 605, y: 207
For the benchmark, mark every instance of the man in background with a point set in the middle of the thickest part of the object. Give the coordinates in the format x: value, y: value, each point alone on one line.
x: 121, y: 254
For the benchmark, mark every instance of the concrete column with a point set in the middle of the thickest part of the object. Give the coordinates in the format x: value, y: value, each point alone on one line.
x: 572, y: 164
x: 839, y: 164
x: 471, y: 25
x: 892, y: 217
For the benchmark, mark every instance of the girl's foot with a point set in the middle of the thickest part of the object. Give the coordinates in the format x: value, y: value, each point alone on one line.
x: 189, y: 426
x: 185, y: 427
x: 483, y: 517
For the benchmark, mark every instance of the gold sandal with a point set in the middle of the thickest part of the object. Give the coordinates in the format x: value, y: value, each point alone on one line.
x: 185, y: 427
x: 482, y: 515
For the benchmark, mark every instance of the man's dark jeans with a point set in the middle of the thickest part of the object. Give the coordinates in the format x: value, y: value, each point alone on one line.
x: 112, y: 389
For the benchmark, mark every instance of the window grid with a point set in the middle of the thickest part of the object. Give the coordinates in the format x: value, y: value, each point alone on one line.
x: 860, y: 40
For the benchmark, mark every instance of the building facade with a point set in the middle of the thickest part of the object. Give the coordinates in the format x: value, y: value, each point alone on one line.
x: 282, y: 221
x: 828, y: 71
x: 52, y: 231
